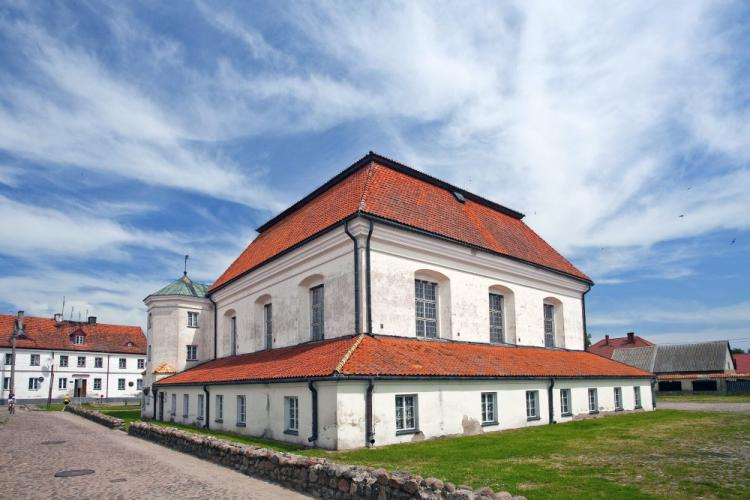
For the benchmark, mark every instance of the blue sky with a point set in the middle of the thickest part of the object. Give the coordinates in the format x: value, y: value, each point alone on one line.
x: 133, y: 133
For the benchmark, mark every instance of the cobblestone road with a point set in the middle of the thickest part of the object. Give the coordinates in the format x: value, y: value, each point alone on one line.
x: 125, y: 467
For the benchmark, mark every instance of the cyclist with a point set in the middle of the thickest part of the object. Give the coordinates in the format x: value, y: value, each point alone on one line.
x: 11, y: 403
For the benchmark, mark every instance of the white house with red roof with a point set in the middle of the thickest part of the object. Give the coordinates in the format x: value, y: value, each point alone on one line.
x: 55, y: 358
x: 386, y: 306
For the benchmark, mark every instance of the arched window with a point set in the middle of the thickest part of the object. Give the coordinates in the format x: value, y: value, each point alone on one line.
x: 554, y: 334
x: 502, y: 315
x: 230, y: 322
x: 264, y: 320
x: 432, y: 304
x: 313, y: 288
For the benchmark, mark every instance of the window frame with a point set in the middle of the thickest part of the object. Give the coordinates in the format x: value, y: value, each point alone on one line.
x: 8, y: 359
x: 63, y: 361
x: 173, y: 407
x: 192, y: 352
x: 618, y: 399
x: 425, y: 303
x: 593, y: 400
x: 637, y: 397
x: 200, y: 406
x: 97, y: 382
x: 62, y: 383
x: 98, y: 362
x: 233, y: 335
x: 81, y: 362
x: 489, y: 416
x: 121, y: 384
x: 6, y: 383
x: 291, y: 415
x: 35, y: 360
x: 268, y: 325
x: 403, y: 419
x: 141, y: 364
x: 241, y: 411
x: 549, y: 337
x: 78, y: 339
x: 566, y: 400
x: 219, y: 410
x: 318, y: 309
x: 192, y: 321
x: 185, y: 405
x: 33, y: 384
x: 494, y: 313
x: 139, y: 384
x: 122, y: 364
x: 535, y: 415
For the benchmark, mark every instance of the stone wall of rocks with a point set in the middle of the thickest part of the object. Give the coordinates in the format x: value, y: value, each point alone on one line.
x: 99, y: 418
x: 315, y: 476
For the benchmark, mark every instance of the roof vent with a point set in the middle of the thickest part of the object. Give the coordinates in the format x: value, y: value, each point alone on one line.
x: 459, y: 197
x: 58, y: 318
x: 92, y: 320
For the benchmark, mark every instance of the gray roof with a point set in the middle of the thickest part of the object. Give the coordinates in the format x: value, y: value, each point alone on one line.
x: 702, y: 357
x: 184, y: 286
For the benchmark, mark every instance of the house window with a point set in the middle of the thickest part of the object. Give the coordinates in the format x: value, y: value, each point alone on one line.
x: 63, y: 361
x: 219, y: 408
x: 192, y: 353
x: 233, y: 335
x: 35, y: 360
x: 81, y: 361
x: 8, y: 358
x: 268, y: 324
x: 406, y: 413
x: 78, y: 339
x: 141, y: 363
x: 120, y: 384
x: 123, y: 363
x: 565, y: 402
x: 139, y: 384
x: 489, y: 408
x: 98, y: 362
x: 192, y: 319
x: 618, y: 398
x: 97, y: 384
x: 241, y: 411
x: 593, y: 401
x: 185, y: 405
x: 637, y: 396
x: 317, y: 312
x: 33, y: 384
x: 200, y: 407
x: 532, y: 405
x: 496, y: 318
x: 173, y: 411
x: 62, y: 383
x: 425, y: 293
x: 6, y: 383
x: 549, y: 325
x: 291, y: 413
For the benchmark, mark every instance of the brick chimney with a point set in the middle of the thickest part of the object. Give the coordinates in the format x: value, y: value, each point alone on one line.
x: 92, y: 320
x: 19, y: 321
x: 606, y: 340
x: 631, y: 337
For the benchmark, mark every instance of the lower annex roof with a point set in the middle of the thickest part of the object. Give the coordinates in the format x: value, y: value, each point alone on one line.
x: 382, y: 356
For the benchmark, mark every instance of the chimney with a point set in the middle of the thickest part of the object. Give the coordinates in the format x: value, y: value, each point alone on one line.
x: 631, y: 337
x: 58, y: 318
x: 19, y: 322
x: 92, y: 320
x: 606, y: 340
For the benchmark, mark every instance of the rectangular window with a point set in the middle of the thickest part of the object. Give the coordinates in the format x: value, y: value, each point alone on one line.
x: 637, y: 396
x: 123, y: 363
x: 200, y: 407
x: 317, y: 312
x: 97, y: 384
x: 291, y: 412
x: 120, y: 384
x: 81, y: 362
x: 78, y: 339
x: 233, y: 335
x: 618, y: 398
x: 549, y: 325
x: 532, y: 405
x: 98, y: 362
x: 62, y: 383
x: 141, y: 363
x: 173, y: 411
x: 496, y: 318
x: 33, y: 384
x: 219, y: 410
x: 8, y: 358
x: 489, y: 408
x: 185, y: 405
x: 35, y: 360
x: 426, y: 304
x: 241, y: 411
x: 593, y: 401
x: 139, y: 384
x: 63, y: 361
x: 192, y: 353
x: 6, y: 383
x: 192, y: 319
x: 268, y: 324
x: 406, y: 413
x: 565, y: 402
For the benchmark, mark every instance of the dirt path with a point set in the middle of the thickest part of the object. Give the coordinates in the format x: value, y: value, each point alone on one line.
x: 684, y: 405
x: 34, y: 445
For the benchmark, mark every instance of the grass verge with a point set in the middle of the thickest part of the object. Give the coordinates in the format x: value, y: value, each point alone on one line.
x: 703, y: 398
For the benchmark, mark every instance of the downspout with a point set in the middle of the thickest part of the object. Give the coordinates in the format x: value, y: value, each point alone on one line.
x: 356, y: 280
x: 314, y: 394
x: 156, y: 401
x: 216, y: 321
x: 208, y: 406
x: 368, y: 280
x: 550, y: 401
x: 583, y: 312
x: 369, y: 434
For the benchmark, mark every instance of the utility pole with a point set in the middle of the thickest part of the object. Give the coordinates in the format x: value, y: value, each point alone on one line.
x: 17, y: 332
x: 51, y: 380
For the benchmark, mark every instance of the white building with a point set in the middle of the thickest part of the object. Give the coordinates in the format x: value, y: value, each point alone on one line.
x: 84, y: 360
x: 386, y: 306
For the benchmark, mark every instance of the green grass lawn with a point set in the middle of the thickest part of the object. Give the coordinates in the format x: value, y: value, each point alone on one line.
x: 663, y: 454
x: 697, y: 397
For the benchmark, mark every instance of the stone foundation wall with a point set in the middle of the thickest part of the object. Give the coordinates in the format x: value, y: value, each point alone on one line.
x: 315, y: 476
x: 99, y: 418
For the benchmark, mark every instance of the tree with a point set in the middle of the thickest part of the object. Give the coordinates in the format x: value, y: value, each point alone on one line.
x: 738, y: 350
x: 587, y: 341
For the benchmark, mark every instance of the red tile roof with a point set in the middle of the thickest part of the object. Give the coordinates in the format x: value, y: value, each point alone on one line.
x: 606, y: 347
x: 699, y: 376
x: 365, y: 355
x: 45, y: 333
x: 392, y: 192
x: 742, y: 362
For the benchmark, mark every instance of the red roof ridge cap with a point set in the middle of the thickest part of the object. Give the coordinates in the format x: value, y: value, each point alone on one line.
x: 348, y: 354
x: 366, y: 189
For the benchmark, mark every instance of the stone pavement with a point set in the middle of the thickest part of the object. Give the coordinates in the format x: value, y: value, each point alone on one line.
x: 694, y: 406
x: 125, y: 467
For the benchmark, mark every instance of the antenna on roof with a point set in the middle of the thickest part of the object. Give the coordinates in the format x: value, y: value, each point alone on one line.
x: 184, y: 273
x: 72, y: 308
x: 62, y: 313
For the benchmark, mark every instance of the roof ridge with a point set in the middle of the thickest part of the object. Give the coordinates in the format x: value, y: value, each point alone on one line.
x: 348, y: 354
x: 365, y: 190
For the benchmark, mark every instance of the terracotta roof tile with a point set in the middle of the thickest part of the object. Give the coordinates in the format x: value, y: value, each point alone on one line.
x: 402, y: 357
x: 399, y: 194
x: 606, y: 348
x: 742, y: 362
x: 45, y: 333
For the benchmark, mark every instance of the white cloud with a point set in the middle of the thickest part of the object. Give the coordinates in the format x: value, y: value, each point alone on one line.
x: 673, y: 313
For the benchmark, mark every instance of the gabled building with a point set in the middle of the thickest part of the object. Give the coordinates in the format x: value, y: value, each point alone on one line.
x: 606, y: 346
x: 55, y: 358
x: 386, y: 306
